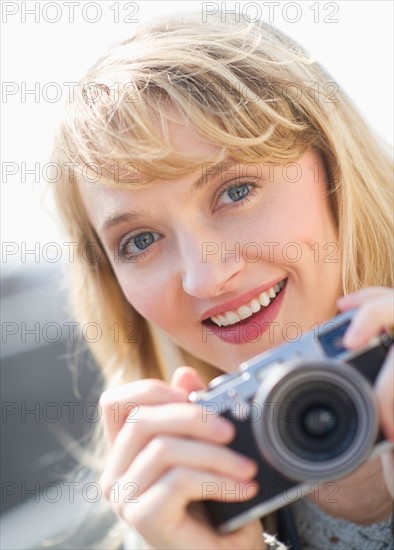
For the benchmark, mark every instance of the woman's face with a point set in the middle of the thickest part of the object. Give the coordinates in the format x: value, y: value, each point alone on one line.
x: 255, y: 241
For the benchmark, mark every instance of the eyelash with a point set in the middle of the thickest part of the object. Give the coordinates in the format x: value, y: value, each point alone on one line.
x: 124, y: 243
x: 244, y: 200
x: 123, y: 254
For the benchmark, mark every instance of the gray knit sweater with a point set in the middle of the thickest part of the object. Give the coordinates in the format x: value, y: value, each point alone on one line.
x: 319, y: 531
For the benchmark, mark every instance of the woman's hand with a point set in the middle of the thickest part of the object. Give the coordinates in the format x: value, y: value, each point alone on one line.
x: 363, y: 496
x: 375, y: 312
x: 163, y: 453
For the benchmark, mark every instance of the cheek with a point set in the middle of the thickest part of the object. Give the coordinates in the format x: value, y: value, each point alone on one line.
x: 276, y: 227
x: 149, y: 296
x: 300, y: 212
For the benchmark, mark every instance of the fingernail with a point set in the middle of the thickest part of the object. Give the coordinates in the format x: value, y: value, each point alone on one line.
x: 224, y: 427
x: 351, y: 337
x: 249, y: 489
x: 389, y: 432
x: 247, y: 464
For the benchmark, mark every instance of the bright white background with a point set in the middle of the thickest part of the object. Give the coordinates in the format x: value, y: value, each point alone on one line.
x: 357, y: 50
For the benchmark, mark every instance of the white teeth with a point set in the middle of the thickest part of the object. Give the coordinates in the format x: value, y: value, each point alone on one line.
x: 271, y: 293
x: 264, y: 299
x: 255, y: 305
x: 219, y: 320
x: 245, y: 311
x: 232, y: 317
x: 222, y: 320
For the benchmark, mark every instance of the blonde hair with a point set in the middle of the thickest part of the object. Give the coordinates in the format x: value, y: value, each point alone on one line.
x: 258, y: 96
x: 250, y: 90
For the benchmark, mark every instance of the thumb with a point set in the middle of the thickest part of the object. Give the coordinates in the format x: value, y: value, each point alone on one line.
x: 384, y: 388
x: 188, y: 379
x: 387, y: 460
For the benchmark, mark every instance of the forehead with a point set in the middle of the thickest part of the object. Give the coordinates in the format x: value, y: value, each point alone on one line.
x: 188, y: 142
x: 101, y: 200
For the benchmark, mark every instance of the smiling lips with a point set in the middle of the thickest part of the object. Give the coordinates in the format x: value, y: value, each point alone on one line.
x: 253, y: 306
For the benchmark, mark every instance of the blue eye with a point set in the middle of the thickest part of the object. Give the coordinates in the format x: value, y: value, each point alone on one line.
x: 143, y: 240
x: 238, y: 192
x: 137, y: 245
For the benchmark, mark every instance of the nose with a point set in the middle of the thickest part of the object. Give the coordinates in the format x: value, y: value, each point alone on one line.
x: 210, y: 268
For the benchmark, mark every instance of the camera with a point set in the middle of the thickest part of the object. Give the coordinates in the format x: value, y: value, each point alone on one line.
x: 304, y: 411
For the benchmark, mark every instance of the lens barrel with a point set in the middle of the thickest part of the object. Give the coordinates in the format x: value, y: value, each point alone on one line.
x: 319, y: 421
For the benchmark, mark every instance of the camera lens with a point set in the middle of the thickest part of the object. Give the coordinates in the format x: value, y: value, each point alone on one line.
x: 320, y: 419
x: 317, y: 420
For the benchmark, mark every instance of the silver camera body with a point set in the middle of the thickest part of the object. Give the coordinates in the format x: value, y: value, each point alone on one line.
x: 304, y: 411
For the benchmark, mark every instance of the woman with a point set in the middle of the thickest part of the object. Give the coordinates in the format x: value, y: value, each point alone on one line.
x: 233, y: 198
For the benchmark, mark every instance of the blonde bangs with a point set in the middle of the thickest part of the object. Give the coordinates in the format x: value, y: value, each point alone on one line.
x: 241, y: 100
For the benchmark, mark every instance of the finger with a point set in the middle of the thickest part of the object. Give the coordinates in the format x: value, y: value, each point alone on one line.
x: 124, y: 401
x: 384, y: 389
x: 357, y: 298
x: 370, y: 319
x: 182, y: 419
x: 387, y: 460
x: 165, y: 452
x: 188, y: 379
x: 167, y: 501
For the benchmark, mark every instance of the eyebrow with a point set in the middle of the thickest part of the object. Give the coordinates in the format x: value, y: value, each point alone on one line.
x: 205, y: 178
x: 115, y: 220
